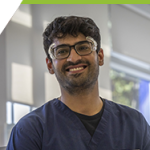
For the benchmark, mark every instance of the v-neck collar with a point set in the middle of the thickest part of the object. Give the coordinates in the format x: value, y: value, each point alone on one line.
x: 93, y: 141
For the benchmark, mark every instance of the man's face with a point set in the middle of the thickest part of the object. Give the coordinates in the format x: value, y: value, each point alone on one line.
x: 76, y: 73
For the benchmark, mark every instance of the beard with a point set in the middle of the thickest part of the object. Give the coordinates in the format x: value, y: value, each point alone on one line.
x: 78, y: 83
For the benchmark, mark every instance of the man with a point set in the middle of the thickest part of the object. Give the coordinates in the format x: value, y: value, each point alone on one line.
x: 79, y: 119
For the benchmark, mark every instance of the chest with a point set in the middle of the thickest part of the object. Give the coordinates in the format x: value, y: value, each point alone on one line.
x: 70, y: 134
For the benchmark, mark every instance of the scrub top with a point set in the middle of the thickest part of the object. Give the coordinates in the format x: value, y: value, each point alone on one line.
x: 54, y: 126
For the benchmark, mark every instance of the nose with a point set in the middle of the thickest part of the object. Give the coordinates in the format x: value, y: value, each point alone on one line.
x: 73, y: 57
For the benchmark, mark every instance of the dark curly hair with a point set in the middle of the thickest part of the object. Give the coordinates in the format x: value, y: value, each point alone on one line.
x: 72, y: 25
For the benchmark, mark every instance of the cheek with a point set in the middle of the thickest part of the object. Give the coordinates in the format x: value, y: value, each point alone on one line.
x: 95, y: 58
x: 57, y: 65
x: 54, y: 65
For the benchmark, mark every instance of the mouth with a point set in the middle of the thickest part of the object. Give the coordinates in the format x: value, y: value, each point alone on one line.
x: 76, y: 68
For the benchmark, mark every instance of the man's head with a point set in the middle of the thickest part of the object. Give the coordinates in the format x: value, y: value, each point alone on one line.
x: 74, y: 44
x: 72, y: 25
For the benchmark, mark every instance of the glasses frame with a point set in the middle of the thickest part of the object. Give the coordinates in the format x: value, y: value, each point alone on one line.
x: 88, y: 39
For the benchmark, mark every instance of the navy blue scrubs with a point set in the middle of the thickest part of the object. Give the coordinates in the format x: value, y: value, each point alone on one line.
x: 55, y: 127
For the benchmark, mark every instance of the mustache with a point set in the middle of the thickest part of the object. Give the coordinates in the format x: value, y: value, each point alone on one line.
x: 73, y: 64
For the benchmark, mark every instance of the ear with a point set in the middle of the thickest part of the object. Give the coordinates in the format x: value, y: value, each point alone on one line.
x: 49, y: 66
x: 101, y: 57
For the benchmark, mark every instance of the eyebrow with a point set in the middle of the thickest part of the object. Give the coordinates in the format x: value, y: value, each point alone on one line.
x: 69, y: 44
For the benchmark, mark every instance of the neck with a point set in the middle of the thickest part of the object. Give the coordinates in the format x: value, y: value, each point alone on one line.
x: 88, y: 102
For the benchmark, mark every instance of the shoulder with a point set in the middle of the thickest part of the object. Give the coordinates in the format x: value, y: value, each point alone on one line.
x: 28, y: 132
x: 125, y: 113
x: 128, y: 123
x: 122, y: 109
x: 126, y: 116
x: 35, y: 120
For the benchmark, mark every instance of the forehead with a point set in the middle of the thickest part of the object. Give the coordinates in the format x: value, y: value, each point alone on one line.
x: 69, y: 39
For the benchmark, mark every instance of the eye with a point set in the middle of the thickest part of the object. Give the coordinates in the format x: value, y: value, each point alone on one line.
x: 62, y: 51
x: 83, y: 47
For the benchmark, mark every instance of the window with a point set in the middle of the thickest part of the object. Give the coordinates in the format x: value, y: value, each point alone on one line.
x: 131, y: 91
x: 15, y: 111
x: 19, y: 110
x: 9, y: 112
x: 125, y: 89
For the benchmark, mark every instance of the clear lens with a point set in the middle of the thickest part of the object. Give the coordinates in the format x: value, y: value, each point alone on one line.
x: 84, y: 48
x: 61, y: 51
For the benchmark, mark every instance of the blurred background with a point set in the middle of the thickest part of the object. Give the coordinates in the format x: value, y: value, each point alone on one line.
x: 25, y: 83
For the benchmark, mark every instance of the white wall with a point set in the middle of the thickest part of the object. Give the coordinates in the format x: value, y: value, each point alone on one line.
x: 131, y: 31
x: 2, y: 88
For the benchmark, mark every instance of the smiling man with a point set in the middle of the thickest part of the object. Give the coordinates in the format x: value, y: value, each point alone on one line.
x: 79, y: 119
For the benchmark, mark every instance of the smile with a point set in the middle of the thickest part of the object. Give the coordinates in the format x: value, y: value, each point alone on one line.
x: 75, y: 69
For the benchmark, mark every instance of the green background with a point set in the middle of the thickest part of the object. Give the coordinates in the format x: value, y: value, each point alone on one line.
x: 86, y: 2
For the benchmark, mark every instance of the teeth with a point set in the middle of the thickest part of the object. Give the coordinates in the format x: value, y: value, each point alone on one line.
x: 75, y: 69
